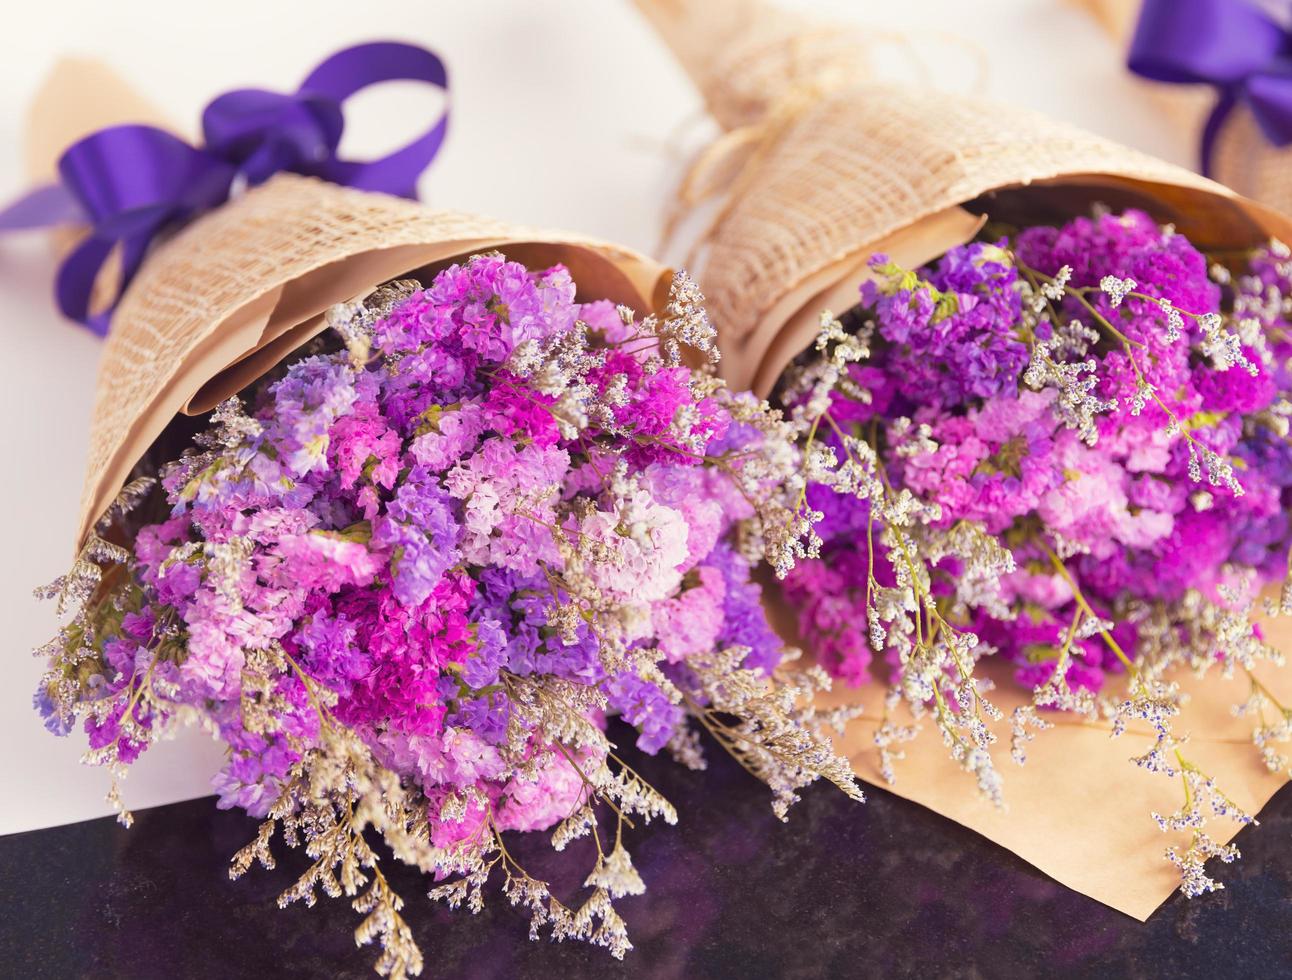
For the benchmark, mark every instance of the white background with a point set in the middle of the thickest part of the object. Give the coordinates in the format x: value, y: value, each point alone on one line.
x: 567, y: 113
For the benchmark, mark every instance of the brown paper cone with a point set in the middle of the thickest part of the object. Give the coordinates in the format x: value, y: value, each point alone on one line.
x: 218, y: 305
x: 860, y: 167
x: 1243, y: 158
x: 845, y: 168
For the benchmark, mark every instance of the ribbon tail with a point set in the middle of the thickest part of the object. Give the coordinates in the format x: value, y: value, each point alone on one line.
x: 1211, y: 130
x: 79, y: 274
x: 44, y: 207
x: 74, y: 285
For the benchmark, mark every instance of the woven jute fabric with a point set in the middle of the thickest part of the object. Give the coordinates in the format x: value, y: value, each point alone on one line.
x: 744, y: 57
x: 856, y: 162
x: 226, y: 298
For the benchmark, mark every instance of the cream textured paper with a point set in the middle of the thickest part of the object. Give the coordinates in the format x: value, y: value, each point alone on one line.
x: 829, y: 168
x: 1079, y: 809
x: 225, y: 299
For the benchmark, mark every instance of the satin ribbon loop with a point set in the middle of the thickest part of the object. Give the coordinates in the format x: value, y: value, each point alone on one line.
x: 1238, y: 46
x: 354, y: 69
x: 265, y: 132
x: 129, y: 184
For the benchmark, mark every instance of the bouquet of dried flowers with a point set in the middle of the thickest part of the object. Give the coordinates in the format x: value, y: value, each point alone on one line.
x: 407, y: 575
x: 1065, y: 448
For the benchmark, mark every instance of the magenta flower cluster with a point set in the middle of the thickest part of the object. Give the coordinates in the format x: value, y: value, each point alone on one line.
x: 1092, y: 391
x: 404, y: 522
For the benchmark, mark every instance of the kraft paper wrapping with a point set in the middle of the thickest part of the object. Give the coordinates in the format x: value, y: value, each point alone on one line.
x: 1078, y: 809
x: 228, y: 297
x: 1243, y: 158
x: 834, y: 166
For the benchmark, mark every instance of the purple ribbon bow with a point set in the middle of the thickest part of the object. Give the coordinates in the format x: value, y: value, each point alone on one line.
x: 1242, y: 47
x: 129, y: 183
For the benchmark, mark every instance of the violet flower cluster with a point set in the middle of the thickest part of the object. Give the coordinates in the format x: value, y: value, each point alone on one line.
x: 1066, y: 448
x: 407, y: 582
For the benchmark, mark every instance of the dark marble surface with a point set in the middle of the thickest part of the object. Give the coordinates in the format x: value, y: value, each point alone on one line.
x: 881, y: 889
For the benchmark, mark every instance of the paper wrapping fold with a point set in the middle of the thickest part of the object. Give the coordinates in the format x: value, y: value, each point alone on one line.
x: 224, y: 300
x: 1078, y: 809
x: 856, y: 168
x: 1243, y: 158
x: 863, y: 167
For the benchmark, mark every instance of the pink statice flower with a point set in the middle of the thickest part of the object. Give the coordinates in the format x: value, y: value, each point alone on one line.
x: 1058, y: 460
x: 1085, y: 396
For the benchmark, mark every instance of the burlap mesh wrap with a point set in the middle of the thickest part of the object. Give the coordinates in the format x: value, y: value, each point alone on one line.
x: 228, y: 297
x: 745, y: 57
x: 231, y: 294
x: 857, y: 162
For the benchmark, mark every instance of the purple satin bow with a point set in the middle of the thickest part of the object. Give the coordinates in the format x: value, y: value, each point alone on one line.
x: 1242, y: 47
x: 129, y: 183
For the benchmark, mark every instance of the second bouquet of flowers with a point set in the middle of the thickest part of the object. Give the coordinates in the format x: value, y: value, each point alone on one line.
x: 1046, y: 447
